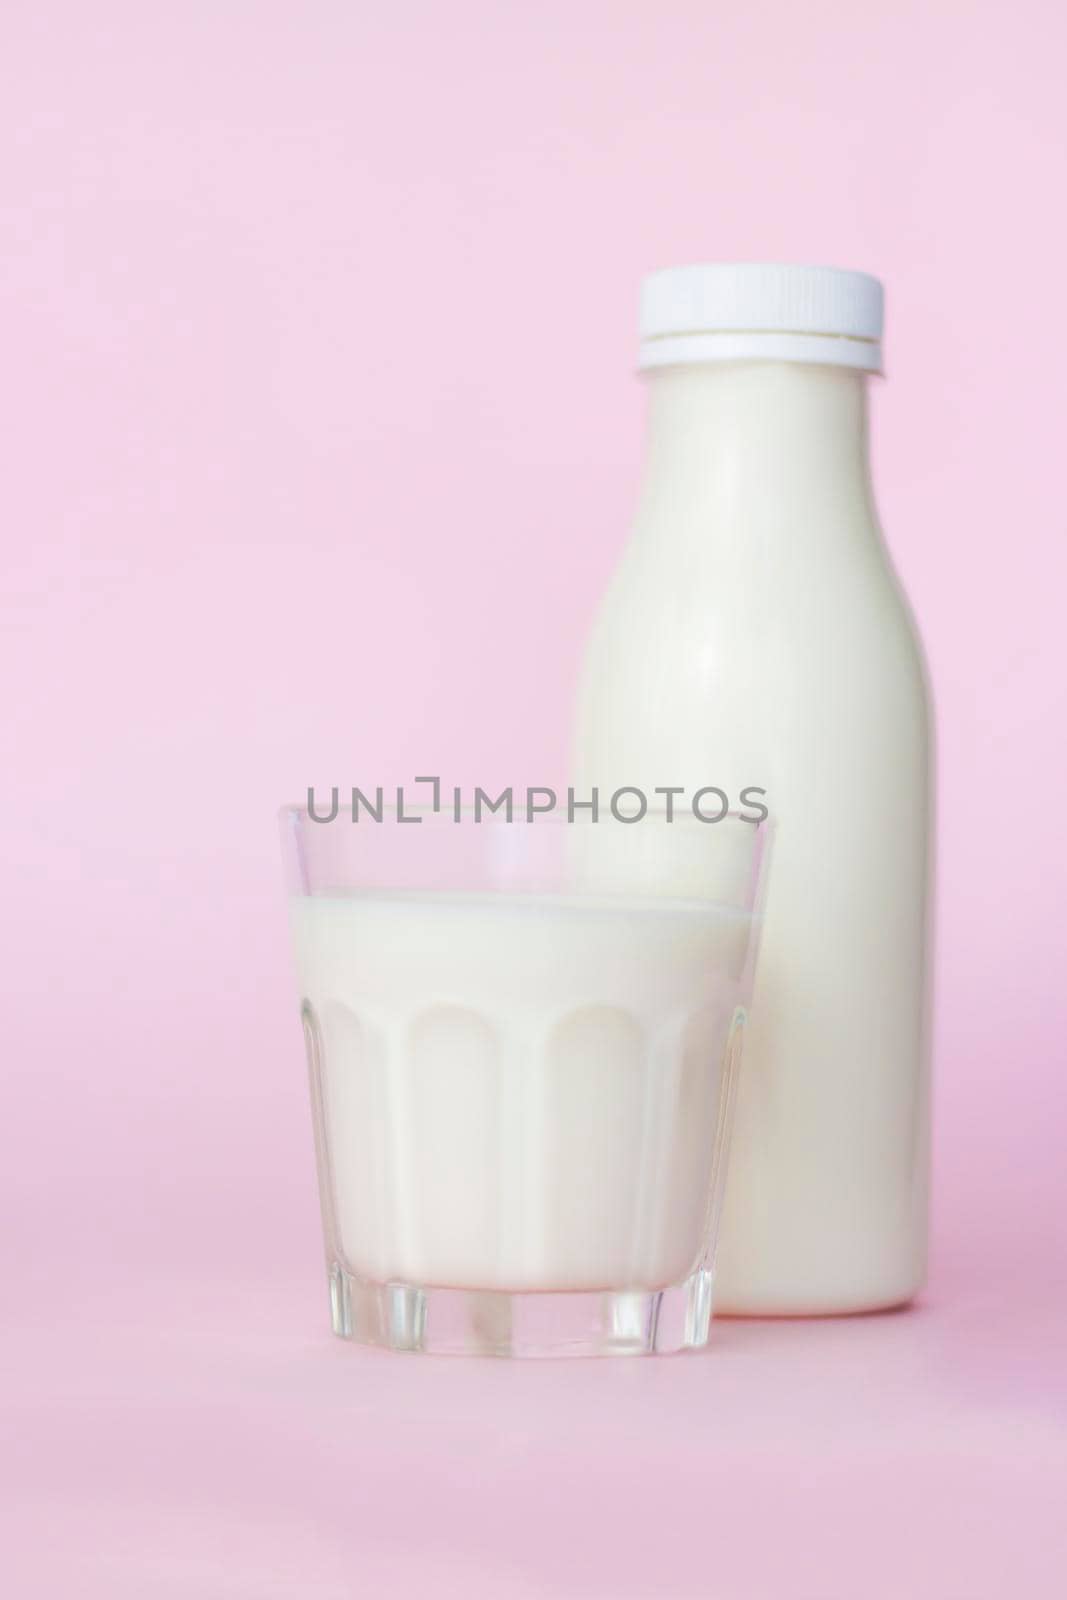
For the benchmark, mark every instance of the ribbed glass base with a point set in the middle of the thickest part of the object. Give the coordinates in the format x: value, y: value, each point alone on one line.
x: 479, y: 1322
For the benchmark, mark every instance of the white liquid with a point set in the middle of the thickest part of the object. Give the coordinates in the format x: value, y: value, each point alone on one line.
x: 754, y: 635
x: 519, y: 1092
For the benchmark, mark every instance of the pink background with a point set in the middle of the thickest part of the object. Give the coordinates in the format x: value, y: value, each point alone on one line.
x: 321, y: 437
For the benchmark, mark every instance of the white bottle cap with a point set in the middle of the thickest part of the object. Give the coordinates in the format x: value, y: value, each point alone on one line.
x: 761, y: 313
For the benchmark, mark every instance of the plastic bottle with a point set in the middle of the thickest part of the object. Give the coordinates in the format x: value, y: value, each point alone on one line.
x: 754, y: 635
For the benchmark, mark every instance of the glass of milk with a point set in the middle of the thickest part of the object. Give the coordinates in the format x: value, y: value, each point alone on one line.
x: 523, y: 1036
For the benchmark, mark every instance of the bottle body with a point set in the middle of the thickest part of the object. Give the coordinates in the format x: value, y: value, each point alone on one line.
x: 754, y: 636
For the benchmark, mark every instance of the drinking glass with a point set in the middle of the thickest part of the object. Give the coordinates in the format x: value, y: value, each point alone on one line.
x: 523, y: 1036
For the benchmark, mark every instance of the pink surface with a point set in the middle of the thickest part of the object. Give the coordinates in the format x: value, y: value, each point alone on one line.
x: 320, y: 440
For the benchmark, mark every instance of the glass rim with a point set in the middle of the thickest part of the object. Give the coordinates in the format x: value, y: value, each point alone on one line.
x: 484, y: 815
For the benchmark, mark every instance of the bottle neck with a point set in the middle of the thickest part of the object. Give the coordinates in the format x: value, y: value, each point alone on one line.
x: 769, y: 444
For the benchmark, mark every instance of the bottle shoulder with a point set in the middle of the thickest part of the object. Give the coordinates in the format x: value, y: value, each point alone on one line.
x: 785, y: 574
x: 721, y: 622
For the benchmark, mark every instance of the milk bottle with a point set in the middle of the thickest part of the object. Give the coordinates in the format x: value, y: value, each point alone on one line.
x: 754, y: 635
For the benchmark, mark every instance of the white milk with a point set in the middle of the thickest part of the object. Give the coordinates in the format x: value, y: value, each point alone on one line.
x: 518, y: 1092
x: 754, y: 634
